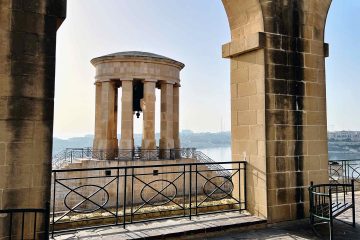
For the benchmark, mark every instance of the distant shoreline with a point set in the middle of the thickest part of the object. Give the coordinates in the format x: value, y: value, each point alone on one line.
x: 337, y: 149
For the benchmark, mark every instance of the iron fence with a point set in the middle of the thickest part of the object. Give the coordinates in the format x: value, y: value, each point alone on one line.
x: 98, y: 197
x: 343, y: 171
x: 25, y: 223
x: 70, y: 154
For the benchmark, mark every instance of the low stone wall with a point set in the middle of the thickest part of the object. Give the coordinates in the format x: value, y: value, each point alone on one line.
x: 142, y: 184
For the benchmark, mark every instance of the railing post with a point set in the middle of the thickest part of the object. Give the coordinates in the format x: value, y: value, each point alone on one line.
x: 353, y: 200
x: 245, y: 185
x: 196, y: 192
x: 346, y: 177
x: 311, y: 203
x: 47, y: 221
x: 190, y: 190
x: 124, y: 204
x: 10, y: 225
x: 53, y: 208
x: 330, y: 214
x: 184, y: 190
x: 239, y: 184
x: 132, y: 195
x: 117, y: 197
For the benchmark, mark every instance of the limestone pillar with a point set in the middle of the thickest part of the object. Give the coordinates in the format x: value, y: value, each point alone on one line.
x: 98, y: 125
x: 166, y: 131
x: 148, y: 108
x: 176, y: 116
x: 27, y: 76
x: 278, y: 102
x: 108, y: 117
x: 127, y: 138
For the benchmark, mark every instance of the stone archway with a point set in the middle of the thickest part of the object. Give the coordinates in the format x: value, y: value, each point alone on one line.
x: 278, y: 97
x: 278, y: 101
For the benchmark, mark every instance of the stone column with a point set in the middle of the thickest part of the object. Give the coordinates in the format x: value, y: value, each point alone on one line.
x: 166, y: 131
x: 27, y: 75
x: 108, y: 116
x: 176, y: 116
x: 148, y: 108
x: 127, y: 115
x: 98, y: 125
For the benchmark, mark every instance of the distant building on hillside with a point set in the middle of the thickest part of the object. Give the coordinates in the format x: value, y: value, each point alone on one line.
x: 344, y: 136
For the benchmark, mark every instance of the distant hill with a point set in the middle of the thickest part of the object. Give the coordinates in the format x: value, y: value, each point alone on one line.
x: 188, y: 139
x: 337, y: 149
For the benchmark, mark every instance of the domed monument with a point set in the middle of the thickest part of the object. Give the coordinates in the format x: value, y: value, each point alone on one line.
x: 138, y: 74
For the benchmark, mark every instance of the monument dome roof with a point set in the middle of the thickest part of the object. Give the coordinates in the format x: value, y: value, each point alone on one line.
x: 137, y: 54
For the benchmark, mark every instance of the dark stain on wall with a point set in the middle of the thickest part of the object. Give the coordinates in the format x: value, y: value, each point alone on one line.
x: 285, y: 78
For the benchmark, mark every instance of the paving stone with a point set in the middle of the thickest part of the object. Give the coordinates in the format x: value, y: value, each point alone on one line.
x: 217, y: 226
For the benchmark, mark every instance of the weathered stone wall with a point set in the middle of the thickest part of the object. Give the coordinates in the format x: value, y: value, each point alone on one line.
x: 247, y: 97
x: 296, y: 125
x: 278, y: 100
x: 27, y: 72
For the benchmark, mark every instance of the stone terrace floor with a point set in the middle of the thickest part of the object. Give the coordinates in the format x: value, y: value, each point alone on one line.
x: 229, y: 226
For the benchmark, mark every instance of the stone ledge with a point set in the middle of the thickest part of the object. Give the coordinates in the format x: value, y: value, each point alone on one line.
x: 212, y: 224
x: 244, y: 45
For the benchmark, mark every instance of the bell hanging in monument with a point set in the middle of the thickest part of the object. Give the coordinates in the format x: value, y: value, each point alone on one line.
x: 138, y: 94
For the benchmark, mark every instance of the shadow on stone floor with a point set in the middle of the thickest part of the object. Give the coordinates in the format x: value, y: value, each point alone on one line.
x: 298, y: 230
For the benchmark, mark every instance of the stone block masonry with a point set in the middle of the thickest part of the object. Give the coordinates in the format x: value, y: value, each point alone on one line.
x: 27, y: 72
x: 279, y: 101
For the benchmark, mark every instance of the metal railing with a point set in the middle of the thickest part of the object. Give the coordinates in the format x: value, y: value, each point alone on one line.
x: 343, y: 171
x: 18, y: 226
x: 203, y: 158
x: 327, y: 201
x: 70, y: 154
x: 98, y: 197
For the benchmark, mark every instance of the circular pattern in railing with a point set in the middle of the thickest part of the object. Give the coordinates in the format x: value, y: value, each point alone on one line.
x: 158, y: 192
x: 356, y: 174
x: 335, y: 173
x: 87, y: 204
x: 218, y: 187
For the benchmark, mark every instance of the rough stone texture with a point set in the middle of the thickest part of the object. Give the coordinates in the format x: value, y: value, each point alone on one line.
x: 106, y: 118
x: 148, y: 107
x: 27, y: 72
x: 176, y: 116
x: 279, y: 104
x: 247, y: 97
x: 127, y: 116
x: 166, y: 131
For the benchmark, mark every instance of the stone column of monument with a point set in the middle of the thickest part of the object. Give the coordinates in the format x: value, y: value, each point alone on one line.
x: 106, y: 118
x: 27, y: 74
x: 148, y: 108
x: 166, y: 129
x: 127, y: 115
x: 176, y: 106
x: 98, y: 122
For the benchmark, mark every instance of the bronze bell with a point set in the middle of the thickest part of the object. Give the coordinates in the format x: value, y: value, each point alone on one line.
x: 138, y: 94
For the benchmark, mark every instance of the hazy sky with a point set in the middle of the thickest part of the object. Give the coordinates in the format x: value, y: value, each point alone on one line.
x: 190, y: 31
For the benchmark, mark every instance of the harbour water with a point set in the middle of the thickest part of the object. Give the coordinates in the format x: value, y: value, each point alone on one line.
x: 223, y: 154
